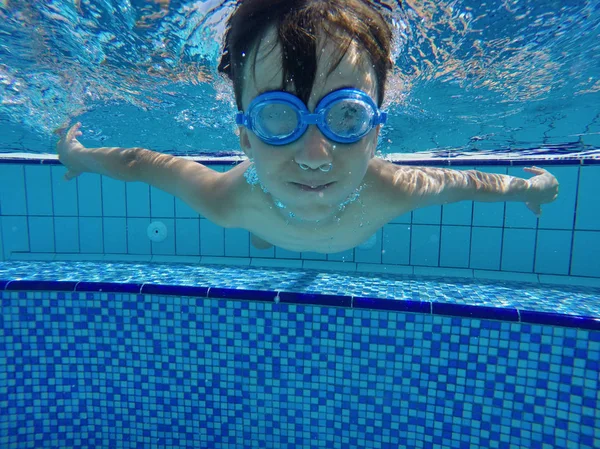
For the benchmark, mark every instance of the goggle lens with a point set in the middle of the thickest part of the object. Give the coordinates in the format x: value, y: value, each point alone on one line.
x: 278, y: 120
x: 349, y: 118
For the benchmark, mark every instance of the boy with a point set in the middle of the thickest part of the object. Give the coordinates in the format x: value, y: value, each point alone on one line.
x: 309, y: 79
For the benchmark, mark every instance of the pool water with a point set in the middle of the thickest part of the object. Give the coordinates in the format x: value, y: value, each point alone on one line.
x: 466, y: 325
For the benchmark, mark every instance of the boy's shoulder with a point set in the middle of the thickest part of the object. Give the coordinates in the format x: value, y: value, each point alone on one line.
x: 390, y: 190
x: 383, y: 175
x: 239, y: 196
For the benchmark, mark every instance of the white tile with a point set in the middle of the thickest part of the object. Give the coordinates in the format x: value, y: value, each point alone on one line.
x: 115, y: 235
x: 506, y: 276
x: 283, y: 263
x: 32, y: 256
x: 162, y: 204
x: 584, y: 255
x: 560, y: 214
x: 66, y: 234
x: 80, y: 257
x: 425, y: 245
x: 15, y: 232
x: 237, y: 242
x: 443, y: 272
x: 138, y: 199
x: 38, y: 190
x: 379, y: 268
x: 569, y: 280
x: 588, y: 212
x: 41, y: 234
x: 214, y: 260
x: 64, y: 193
x: 187, y: 237
x: 212, y: 239
x: 113, y: 197
x: 329, y: 266
x: 89, y: 195
x: 12, y: 190
x: 127, y: 258
x: 177, y: 259
x: 396, y: 244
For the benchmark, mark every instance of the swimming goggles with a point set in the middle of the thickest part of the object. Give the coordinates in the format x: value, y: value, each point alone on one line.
x: 344, y: 116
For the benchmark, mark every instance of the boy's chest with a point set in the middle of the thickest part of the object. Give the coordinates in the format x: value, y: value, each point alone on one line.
x: 345, y: 230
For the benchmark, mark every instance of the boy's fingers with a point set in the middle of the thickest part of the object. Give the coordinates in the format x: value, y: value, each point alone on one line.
x: 535, y: 208
x: 535, y: 170
x: 70, y: 175
x: 74, y: 131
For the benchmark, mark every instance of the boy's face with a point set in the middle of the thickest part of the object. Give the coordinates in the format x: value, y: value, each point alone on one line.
x: 278, y: 167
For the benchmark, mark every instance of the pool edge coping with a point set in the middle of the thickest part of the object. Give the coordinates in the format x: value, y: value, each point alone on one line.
x: 506, y: 314
x: 447, y: 158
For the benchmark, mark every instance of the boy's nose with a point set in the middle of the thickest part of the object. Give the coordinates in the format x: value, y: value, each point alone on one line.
x: 315, y: 149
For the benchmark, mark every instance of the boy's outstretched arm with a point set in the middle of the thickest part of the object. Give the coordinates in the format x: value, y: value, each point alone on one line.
x: 424, y: 186
x: 200, y: 187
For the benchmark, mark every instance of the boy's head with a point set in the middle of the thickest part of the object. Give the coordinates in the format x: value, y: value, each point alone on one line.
x: 298, y: 27
x: 313, y: 49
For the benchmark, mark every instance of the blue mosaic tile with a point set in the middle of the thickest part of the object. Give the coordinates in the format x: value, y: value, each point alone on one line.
x: 289, y: 376
x: 127, y: 277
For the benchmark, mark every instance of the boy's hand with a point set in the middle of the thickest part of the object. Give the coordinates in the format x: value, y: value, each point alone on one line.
x: 543, y: 188
x: 67, y: 149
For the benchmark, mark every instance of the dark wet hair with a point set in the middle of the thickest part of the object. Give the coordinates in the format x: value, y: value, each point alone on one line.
x: 299, y: 23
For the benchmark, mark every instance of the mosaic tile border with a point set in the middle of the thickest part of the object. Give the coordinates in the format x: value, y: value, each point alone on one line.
x: 412, y: 304
x: 556, y: 155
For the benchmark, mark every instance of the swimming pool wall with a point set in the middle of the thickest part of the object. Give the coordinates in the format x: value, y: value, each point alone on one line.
x: 98, y: 218
x: 138, y: 364
x: 92, y: 369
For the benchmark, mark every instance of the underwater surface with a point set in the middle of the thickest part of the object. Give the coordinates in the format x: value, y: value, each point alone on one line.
x: 469, y: 75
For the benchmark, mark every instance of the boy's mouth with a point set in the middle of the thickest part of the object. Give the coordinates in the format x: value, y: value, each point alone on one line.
x: 312, y: 187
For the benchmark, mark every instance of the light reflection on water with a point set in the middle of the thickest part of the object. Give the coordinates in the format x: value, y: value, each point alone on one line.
x: 468, y: 74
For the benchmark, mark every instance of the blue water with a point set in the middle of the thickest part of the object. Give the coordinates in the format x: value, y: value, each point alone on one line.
x: 86, y: 368
x: 469, y: 75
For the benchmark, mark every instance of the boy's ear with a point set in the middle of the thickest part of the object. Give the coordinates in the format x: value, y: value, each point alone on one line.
x: 245, y: 142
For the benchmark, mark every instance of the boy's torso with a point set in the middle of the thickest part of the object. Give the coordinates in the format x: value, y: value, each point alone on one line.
x: 346, y: 229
